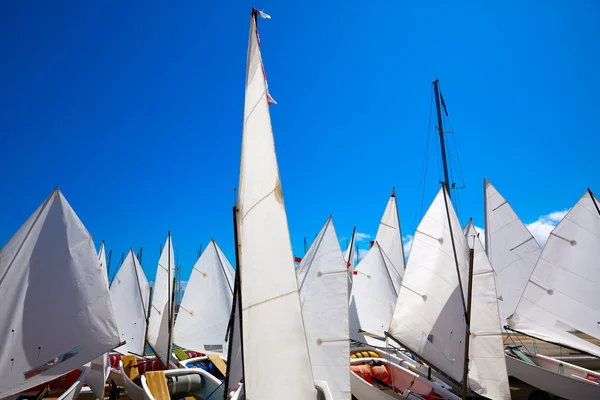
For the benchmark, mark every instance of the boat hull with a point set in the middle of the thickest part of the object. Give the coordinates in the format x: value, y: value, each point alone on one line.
x: 562, y: 385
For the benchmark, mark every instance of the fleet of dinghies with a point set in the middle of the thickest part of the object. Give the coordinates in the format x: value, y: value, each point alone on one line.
x: 334, y: 327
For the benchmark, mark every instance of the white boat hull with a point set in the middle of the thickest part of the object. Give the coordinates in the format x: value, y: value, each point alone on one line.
x: 409, y: 383
x: 564, y: 385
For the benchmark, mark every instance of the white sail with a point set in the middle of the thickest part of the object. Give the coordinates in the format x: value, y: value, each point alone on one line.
x: 389, y: 237
x: 96, y: 376
x: 274, y: 339
x: 99, y: 368
x: 206, y: 305
x: 429, y: 317
x: 130, y: 291
x: 235, y: 367
x: 562, y: 294
x: 161, y: 312
x: 54, y: 303
x: 487, y: 367
x: 511, y: 249
x: 322, y: 277
x: 350, y: 258
x: 373, y: 298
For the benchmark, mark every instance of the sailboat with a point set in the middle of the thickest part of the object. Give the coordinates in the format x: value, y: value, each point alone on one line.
x: 376, y: 281
x: 267, y: 318
x: 51, y: 257
x: 487, y: 368
x: 561, y: 298
x: 350, y: 257
x: 510, y: 247
x: 433, y: 315
x: 206, y: 305
x: 322, y: 280
x: 131, y: 291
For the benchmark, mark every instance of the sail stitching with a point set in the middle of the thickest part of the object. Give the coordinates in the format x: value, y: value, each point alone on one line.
x: 258, y: 202
x: 269, y: 300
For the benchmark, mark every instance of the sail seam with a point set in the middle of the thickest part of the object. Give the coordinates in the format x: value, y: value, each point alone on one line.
x: 258, y: 202
x: 269, y: 300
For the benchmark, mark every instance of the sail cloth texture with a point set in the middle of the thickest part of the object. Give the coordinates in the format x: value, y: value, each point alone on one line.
x: 274, y: 338
x: 206, y: 306
x: 54, y: 303
x: 324, y: 297
x: 389, y: 237
x: 429, y: 317
x: 511, y: 248
x: 131, y: 291
x: 562, y: 294
x: 99, y: 368
x: 161, y: 312
x: 487, y: 367
x: 373, y: 298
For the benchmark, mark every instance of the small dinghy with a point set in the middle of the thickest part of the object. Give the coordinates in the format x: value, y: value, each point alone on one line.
x: 178, y: 383
x: 377, y: 378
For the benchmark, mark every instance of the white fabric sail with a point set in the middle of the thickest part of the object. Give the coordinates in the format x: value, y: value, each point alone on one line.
x: 389, y: 237
x: 487, y: 367
x: 429, y: 318
x: 563, y: 294
x: 274, y: 338
x: 322, y: 277
x: 511, y: 249
x: 350, y: 258
x: 99, y: 368
x: 161, y: 312
x: 54, y: 303
x: 130, y: 290
x: 373, y: 298
x: 206, y: 306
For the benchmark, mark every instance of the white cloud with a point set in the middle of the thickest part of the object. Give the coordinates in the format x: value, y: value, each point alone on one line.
x: 541, y: 228
x: 407, y: 244
x: 359, y: 237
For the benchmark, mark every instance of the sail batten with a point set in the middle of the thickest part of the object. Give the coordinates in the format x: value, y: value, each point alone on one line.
x: 52, y: 256
x: 271, y: 310
x: 562, y: 295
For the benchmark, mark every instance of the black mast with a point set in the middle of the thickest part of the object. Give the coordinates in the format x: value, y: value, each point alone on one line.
x: 440, y: 129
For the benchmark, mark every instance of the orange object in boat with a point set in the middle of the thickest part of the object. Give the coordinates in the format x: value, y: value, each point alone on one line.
x: 364, y: 371
x: 380, y: 372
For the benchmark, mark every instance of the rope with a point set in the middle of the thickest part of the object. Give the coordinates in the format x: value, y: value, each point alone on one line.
x: 421, y: 193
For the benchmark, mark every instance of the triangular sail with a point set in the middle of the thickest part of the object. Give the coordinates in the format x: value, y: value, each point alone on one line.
x: 99, y: 368
x: 429, y: 318
x: 562, y: 296
x: 373, y: 298
x: 511, y: 249
x: 350, y: 258
x: 322, y: 277
x: 487, y: 367
x: 206, y: 306
x: 161, y: 312
x: 54, y: 303
x: 389, y: 237
x: 130, y: 291
x: 273, y: 330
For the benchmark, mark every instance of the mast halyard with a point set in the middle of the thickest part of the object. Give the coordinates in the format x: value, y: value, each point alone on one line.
x: 440, y: 129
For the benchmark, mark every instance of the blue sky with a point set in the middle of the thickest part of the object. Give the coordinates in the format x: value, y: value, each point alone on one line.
x: 135, y: 111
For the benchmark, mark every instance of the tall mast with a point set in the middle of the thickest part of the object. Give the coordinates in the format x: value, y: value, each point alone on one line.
x: 440, y: 129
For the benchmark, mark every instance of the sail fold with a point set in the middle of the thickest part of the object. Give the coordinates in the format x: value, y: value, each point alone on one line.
x: 55, y: 307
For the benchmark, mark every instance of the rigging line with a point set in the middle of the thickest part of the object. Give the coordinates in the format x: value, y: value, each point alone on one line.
x: 421, y: 193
